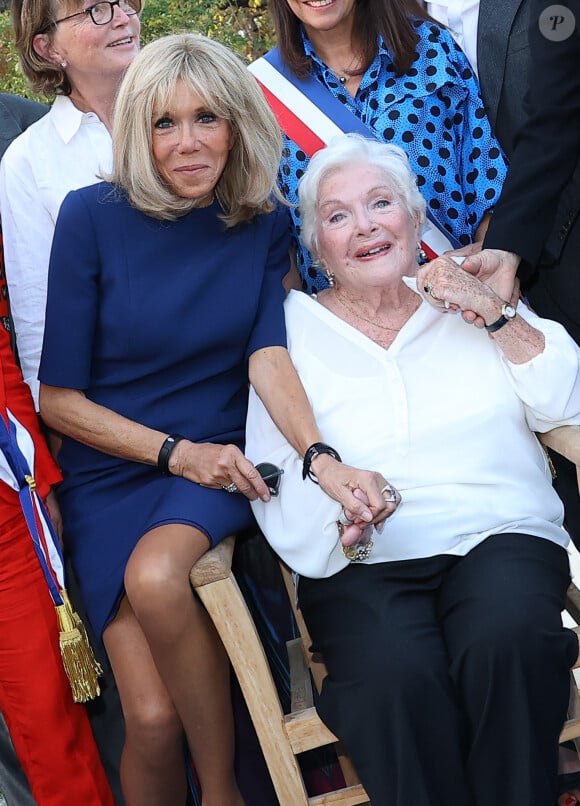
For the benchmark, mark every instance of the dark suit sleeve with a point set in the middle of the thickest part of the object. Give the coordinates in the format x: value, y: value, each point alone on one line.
x: 16, y: 114
x: 547, y: 147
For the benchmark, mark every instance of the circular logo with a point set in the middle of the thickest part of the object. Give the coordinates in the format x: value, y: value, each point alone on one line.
x: 557, y: 23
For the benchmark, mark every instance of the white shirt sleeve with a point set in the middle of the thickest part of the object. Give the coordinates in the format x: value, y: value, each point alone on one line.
x: 27, y: 230
x: 549, y: 384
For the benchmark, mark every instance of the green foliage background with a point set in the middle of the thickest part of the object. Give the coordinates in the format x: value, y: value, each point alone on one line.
x: 243, y: 25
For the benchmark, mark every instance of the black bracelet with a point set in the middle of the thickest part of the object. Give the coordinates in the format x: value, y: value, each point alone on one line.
x: 165, y: 453
x: 315, y: 450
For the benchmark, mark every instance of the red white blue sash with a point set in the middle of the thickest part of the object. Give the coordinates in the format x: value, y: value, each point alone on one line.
x: 16, y: 470
x: 311, y: 116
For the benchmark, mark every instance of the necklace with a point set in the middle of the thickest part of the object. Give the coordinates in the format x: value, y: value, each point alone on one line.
x: 364, y: 318
x: 347, y: 72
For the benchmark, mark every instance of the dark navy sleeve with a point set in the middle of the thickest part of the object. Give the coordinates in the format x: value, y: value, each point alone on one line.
x: 269, y: 328
x: 72, y: 301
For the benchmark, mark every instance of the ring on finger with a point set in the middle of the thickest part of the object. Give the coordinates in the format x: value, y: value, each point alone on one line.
x: 230, y: 488
x: 344, y: 519
x: 393, y: 494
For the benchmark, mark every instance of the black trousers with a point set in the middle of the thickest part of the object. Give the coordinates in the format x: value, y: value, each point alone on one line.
x: 448, y: 676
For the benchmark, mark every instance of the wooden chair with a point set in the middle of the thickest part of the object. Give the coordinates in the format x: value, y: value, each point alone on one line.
x: 283, y: 736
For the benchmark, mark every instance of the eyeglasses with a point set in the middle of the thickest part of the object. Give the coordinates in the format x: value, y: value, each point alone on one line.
x: 272, y: 475
x: 102, y: 13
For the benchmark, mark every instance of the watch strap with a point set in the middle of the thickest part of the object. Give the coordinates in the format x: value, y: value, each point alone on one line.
x: 499, y: 323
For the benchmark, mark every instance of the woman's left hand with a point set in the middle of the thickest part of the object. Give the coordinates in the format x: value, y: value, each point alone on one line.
x: 218, y: 466
x: 378, y: 502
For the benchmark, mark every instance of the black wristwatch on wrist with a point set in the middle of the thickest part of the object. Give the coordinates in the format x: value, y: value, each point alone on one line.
x: 508, y: 312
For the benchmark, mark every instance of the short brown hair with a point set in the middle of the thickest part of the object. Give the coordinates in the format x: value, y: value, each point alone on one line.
x: 32, y: 17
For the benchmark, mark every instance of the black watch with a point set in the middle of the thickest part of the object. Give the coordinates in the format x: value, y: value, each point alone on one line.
x: 508, y: 312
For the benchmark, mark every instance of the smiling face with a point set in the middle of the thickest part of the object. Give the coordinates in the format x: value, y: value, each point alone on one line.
x: 91, y: 52
x: 365, y: 234
x: 323, y: 15
x: 191, y: 146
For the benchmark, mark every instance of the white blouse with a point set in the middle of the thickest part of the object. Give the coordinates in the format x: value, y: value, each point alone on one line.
x: 441, y: 414
x: 65, y: 150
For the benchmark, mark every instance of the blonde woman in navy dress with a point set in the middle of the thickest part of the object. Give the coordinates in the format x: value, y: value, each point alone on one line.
x: 165, y: 296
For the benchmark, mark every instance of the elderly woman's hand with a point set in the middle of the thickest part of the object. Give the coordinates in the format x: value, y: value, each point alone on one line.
x: 446, y: 286
x: 366, y: 496
x: 218, y: 466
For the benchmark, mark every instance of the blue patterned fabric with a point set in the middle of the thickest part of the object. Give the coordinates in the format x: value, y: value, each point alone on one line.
x: 435, y: 112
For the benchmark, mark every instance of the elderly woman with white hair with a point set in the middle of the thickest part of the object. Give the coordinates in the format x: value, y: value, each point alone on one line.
x: 447, y: 660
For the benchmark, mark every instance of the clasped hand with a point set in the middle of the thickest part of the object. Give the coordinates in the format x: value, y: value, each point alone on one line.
x: 362, y: 493
x: 447, y: 286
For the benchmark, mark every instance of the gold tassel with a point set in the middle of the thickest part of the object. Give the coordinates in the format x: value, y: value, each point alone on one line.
x: 80, y: 664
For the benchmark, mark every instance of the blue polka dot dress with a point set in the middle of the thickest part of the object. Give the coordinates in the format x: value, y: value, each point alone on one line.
x: 435, y: 113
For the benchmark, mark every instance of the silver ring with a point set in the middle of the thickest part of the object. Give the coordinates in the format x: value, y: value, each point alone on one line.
x: 393, y: 497
x: 343, y: 519
x: 230, y: 488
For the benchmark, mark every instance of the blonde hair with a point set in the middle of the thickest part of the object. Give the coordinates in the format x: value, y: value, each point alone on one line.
x: 211, y: 71
x: 32, y: 17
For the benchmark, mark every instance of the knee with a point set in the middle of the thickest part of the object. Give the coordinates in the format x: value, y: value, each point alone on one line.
x: 512, y: 640
x: 153, y: 727
x: 152, y: 580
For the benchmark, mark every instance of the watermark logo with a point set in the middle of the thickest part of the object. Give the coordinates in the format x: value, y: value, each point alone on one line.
x: 557, y: 23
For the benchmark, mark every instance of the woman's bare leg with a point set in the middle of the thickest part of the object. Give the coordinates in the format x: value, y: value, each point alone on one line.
x: 152, y: 764
x: 187, y: 652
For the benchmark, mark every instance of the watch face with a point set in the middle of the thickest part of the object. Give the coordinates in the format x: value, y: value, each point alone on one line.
x: 509, y: 311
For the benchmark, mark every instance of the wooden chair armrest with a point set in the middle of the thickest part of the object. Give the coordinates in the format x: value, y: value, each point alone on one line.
x: 215, y: 565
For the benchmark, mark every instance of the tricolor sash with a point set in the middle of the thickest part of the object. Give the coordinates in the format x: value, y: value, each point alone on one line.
x: 16, y: 470
x: 311, y: 116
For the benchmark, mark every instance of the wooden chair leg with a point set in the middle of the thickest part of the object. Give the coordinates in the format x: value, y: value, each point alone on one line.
x: 228, y: 610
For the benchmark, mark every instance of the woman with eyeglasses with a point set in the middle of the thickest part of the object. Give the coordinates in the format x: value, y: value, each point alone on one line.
x: 78, y: 53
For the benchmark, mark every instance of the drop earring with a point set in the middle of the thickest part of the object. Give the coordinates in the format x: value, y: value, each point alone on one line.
x: 421, y: 254
x: 330, y: 278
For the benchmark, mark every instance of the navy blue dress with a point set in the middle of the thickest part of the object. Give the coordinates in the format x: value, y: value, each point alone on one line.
x: 155, y: 320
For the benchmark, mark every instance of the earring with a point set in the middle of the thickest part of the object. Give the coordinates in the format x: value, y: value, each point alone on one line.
x: 422, y: 256
x: 330, y: 278
x: 64, y: 65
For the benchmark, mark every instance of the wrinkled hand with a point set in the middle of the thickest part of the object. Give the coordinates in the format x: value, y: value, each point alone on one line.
x: 497, y: 269
x: 217, y: 466
x: 53, y: 508
x: 359, y: 491
x: 445, y: 285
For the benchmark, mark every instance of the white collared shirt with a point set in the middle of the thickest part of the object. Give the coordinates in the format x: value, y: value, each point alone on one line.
x: 460, y: 16
x: 65, y: 150
x: 442, y: 414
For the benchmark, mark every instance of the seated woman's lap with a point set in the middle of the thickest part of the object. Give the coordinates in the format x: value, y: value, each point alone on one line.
x: 439, y: 655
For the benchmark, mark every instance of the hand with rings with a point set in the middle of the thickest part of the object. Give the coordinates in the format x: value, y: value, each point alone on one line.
x: 352, y: 531
x: 428, y: 289
x: 219, y: 467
